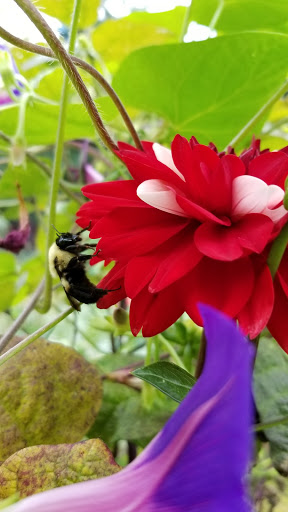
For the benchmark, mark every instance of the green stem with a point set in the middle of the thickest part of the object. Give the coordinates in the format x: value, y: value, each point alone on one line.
x: 21, y: 318
x: 170, y: 349
x: 185, y: 22
x: 277, y: 250
x: 263, y: 110
x: 68, y: 65
x: 216, y: 14
x: 270, y: 424
x: 37, y: 334
x: 56, y: 175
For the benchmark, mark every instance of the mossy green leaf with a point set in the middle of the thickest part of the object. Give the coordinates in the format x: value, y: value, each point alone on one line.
x: 49, y: 394
x: 40, y: 468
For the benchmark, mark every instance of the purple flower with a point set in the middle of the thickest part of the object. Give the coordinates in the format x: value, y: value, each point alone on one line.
x: 8, y: 70
x: 198, y: 462
x: 92, y: 175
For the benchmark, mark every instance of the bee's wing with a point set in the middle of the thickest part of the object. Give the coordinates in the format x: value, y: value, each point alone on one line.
x: 74, y: 302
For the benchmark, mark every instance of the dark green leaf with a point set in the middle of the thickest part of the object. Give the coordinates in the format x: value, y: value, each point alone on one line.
x: 168, y: 378
x: 271, y: 395
x: 209, y: 89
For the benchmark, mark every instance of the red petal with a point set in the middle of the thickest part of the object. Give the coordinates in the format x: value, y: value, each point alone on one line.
x: 180, y: 260
x: 165, y: 309
x: 254, y: 316
x: 143, y: 166
x: 155, y: 312
x: 138, y: 310
x: 225, y: 285
x: 277, y: 324
x: 270, y: 167
x: 114, y: 279
x: 251, y: 233
x: 195, y: 211
x: 165, y: 265
x: 129, y: 232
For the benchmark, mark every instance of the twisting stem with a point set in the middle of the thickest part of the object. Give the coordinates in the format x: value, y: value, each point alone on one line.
x: 24, y: 343
x: 69, y: 67
x: 41, y: 50
x: 21, y: 318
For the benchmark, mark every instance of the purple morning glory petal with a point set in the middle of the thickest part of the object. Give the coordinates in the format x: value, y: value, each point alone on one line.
x: 199, y: 460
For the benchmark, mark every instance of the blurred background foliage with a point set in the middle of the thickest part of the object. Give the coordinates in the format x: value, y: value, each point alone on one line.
x: 213, y: 69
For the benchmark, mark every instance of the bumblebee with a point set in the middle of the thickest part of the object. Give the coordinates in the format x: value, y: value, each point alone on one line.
x: 67, y: 262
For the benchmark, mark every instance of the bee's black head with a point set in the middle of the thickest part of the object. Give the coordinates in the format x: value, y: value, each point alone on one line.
x: 65, y: 240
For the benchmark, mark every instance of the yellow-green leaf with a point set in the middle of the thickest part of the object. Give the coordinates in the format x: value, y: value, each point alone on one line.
x: 62, y: 10
x: 40, y: 468
x: 49, y: 394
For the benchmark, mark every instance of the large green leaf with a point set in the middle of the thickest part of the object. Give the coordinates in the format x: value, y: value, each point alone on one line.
x: 209, y: 89
x: 168, y: 378
x: 233, y: 16
x: 114, y: 39
x: 62, y: 9
x: 271, y: 395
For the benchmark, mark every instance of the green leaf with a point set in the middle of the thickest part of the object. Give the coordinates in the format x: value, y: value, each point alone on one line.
x: 135, y: 423
x: 49, y: 394
x: 271, y: 395
x: 240, y: 15
x: 62, y: 9
x: 168, y: 378
x: 137, y: 30
x: 42, y: 122
x: 209, y: 89
x: 40, y: 468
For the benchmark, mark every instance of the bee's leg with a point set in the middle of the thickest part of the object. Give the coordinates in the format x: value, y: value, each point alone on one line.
x: 76, y: 248
x: 84, y: 229
x: 88, y: 296
x: 84, y: 257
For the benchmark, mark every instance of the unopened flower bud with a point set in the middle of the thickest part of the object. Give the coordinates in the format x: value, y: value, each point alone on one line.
x: 121, y: 317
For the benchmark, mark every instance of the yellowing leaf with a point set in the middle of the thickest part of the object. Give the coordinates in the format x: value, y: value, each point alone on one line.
x: 40, y: 468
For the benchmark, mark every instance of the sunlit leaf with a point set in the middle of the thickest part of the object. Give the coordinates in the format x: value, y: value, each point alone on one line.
x: 209, y: 89
x: 114, y: 39
x: 234, y: 16
x: 62, y: 9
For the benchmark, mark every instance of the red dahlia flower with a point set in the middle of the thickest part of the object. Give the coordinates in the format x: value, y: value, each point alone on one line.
x: 191, y: 226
